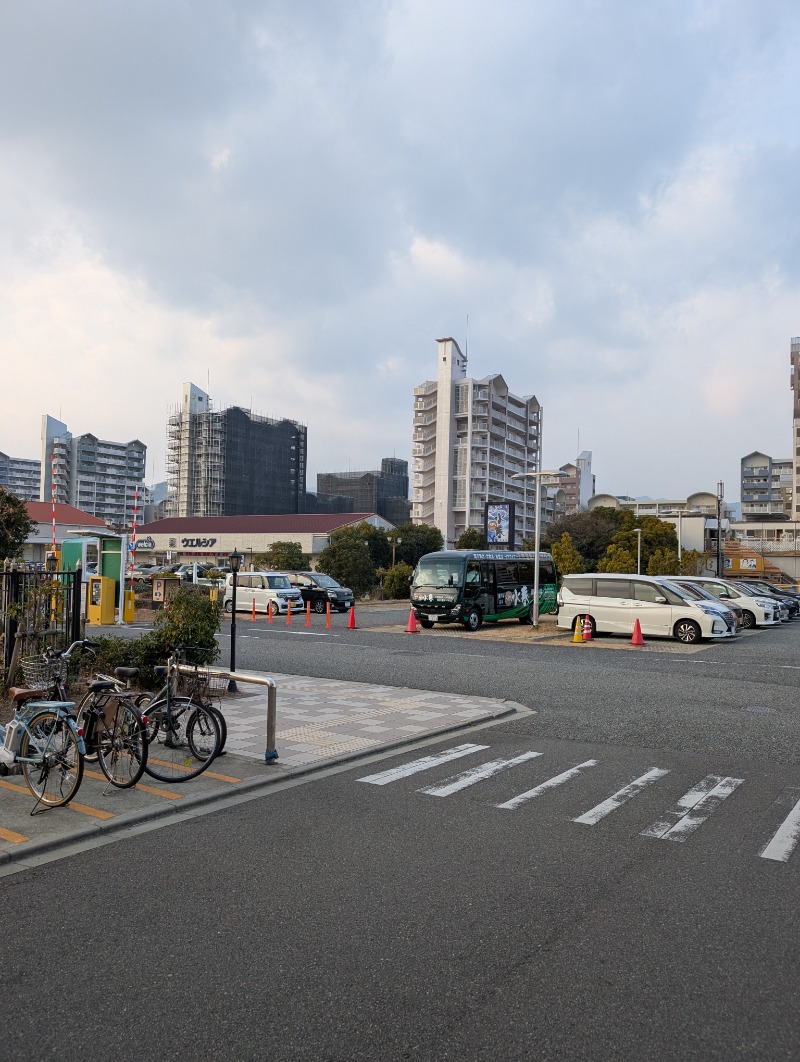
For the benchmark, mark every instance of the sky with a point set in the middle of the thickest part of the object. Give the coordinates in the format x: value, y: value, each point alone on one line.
x: 289, y: 203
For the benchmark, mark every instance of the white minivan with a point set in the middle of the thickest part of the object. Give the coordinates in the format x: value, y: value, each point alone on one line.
x: 258, y: 589
x: 614, y: 602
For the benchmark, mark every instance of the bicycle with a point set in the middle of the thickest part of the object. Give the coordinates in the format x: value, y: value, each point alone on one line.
x: 112, y: 727
x: 202, y: 684
x: 44, y: 741
x: 183, y: 735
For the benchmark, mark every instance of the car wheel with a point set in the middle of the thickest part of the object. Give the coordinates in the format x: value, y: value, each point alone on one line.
x: 319, y: 605
x: 427, y: 624
x: 748, y: 620
x: 578, y: 622
x: 687, y: 631
x: 473, y: 619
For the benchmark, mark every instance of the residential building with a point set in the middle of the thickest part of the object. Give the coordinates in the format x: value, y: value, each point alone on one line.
x: 795, y: 385
x: 384, y: 491
x: 766, y: 487
x: 95, y: 475
x: 470, y: 438
x: 577, y: 482
x: 232, y: 461
x: 214, y: 538
x: 21, y: 476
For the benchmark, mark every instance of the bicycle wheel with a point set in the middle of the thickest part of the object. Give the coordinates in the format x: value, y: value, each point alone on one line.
x: 55, y: 777
x: 223, y: 726
x: 204, y: 742
x: 122, y: 747
x: 171, y: 756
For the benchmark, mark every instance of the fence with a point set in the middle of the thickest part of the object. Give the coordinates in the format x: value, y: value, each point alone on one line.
x: 37, y: 607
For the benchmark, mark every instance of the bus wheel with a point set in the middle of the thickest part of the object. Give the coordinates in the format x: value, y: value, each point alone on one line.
x: 528, y: 617
x: 473, y: 619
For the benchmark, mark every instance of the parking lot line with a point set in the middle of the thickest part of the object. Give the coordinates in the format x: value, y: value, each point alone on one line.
x: 82, y: 809
x: 187, y: 770
x: 14, y: 838
x: 166, y: 793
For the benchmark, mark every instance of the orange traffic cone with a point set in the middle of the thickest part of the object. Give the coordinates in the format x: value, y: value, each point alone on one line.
x: 288, y: 613
x: 578, y: 635
x: 328, y: 617
x: 351, y: 623
x: 269, y: 611
x: 587, y: 629
x: 412, y: 623
x: 253, y: 613
x: 636, y: 637
x: 308, y: 614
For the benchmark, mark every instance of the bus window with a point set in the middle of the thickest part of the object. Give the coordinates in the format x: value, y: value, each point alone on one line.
x: 473, y: 573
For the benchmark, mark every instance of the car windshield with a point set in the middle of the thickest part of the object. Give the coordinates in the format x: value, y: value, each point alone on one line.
x: 745, y: 589
x: 673, y: 591
x: 695, y: 591
x: 279, y: 582
x: 326, y: 582
x: 439, y: 573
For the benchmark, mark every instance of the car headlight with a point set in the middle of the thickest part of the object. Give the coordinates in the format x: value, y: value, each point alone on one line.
x: 766, y: 603
x: 709, y: 610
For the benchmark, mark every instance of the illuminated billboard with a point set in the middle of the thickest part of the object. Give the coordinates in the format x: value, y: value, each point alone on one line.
x: 499, y: 524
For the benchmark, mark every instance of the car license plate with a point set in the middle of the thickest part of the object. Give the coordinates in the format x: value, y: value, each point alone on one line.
x: 433, y: 618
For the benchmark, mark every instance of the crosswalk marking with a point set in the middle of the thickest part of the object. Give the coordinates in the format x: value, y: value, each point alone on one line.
x: 384, y: 777
x: 475, y: 774
x: 785, y: 839
x: 620, y: 797
x: 693, y: 808
x: 551, y: 783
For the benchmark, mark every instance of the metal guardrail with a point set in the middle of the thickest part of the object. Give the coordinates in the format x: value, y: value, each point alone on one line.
x: 271, y: 753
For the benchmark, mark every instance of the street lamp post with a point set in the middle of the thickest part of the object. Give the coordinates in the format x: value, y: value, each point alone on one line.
x: 538, y: 476
x: 395, y: 541
x: 235, y: 562
x: 720, y: 496
x: 638, y: 532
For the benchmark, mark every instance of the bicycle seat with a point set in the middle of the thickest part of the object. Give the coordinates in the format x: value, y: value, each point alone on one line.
x: 125, y: 673
x: 160, y: 670
x: 19, y: 695
x: 99, y: 687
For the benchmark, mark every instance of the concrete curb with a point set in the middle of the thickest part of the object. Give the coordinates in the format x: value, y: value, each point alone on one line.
x: 23, y: 852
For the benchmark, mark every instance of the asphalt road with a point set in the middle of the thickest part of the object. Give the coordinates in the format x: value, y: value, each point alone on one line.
x: 460, y: 911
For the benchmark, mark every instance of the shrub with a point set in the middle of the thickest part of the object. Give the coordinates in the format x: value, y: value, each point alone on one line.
x: 396, y: 584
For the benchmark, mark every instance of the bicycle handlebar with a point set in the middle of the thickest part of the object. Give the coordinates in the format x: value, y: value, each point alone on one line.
x: 64, y: 654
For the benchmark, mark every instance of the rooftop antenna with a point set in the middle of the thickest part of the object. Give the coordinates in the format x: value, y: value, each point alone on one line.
x: 466, y: 342
x: 579, y: 443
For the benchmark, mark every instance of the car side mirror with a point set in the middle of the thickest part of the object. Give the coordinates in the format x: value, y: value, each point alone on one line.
x: 661, y: 601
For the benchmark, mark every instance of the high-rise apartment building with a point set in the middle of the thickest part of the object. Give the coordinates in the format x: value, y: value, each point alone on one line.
x: 470, y: 438
x: 232, y: 462
x: 95, y: 475
x: 577, y: 482
x: 795, y: 385
x: 21, y: 476
x: 384, y: 492
x: 766, y: 487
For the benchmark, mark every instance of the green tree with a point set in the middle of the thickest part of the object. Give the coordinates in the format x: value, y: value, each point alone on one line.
x: 567, y: 559
x: 15, y: 525
x: 418, y: 539
x: 663, y: 562
x: 693, y: 561
x: 397, y: 582
x: 282, y: 557
x: 348, y: 560
x: 617, y: 559
x: 472, y: 538
x: 591, y: 532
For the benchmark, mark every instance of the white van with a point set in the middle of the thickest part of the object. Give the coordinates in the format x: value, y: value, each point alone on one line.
x: 614, y: 602
x: 261, y: 588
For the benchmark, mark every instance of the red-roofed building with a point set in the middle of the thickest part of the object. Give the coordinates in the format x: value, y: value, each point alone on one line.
x: 69, y: 523
x: 214, y: 538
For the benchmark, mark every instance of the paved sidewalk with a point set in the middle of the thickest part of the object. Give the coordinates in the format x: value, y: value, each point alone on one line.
x: 320, y: 722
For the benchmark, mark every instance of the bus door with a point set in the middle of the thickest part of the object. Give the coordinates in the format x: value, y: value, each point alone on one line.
x: 489, y: 587
x: 473, y: 585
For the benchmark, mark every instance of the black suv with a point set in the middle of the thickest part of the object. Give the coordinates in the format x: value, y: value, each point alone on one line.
x: 320, y: 589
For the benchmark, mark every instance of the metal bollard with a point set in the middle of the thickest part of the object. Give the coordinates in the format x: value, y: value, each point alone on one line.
x: 271, y: 755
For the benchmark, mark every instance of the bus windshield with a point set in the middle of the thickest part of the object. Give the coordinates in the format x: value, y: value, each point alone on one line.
x: 439, y: 573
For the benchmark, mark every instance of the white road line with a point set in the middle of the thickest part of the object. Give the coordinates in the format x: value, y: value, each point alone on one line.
x: 619, y: 798
x: 693, y: 808
x: 551, y: 783
x: 384, y: 777
x: 786, y: 837
x: 475, y: 774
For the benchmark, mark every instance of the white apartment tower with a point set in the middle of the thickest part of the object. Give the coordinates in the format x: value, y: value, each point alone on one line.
x: 470, y: 438
x: 795, y: 385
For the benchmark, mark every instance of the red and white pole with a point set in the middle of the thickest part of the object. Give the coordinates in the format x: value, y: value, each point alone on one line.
x: 133, y: 540
x: 53, y: 495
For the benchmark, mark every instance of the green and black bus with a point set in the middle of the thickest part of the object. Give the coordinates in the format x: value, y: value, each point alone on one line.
x: 472, y: 586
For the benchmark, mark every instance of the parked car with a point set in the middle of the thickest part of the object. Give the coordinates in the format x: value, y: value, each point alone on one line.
x: 259, y: 589
x: 320, y: 589
x: 757, y: 611
x: 789, y: 607
x: 612, y: 603
x: 702, y: 594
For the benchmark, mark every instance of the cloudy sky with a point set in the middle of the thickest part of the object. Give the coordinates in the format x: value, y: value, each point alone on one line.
x: 288, y: 203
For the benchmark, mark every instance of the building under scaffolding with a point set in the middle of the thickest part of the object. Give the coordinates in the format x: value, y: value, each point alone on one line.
x: 232, y: 462
x: 384, y: 492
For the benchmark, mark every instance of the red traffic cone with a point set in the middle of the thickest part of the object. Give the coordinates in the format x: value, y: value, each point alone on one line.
x: 253, y: 613
x: 587, y: 629
x: 412, y: 623
x: 308, y: 614
x: 288, y: 613
x: 269, y: 611
x: 328, y: 616
x: 636, y: 637
x: 351, y: 623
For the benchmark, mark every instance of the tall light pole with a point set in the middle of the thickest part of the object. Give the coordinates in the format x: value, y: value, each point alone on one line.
x: 395, y: 541
x: 235, y: 562
x: 538, y: 476
x: 720, y: 496
x: 638, y: 533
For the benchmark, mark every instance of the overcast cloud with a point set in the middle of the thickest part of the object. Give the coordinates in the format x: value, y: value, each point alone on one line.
x: 287, y: 204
